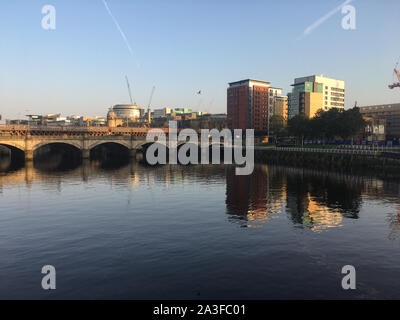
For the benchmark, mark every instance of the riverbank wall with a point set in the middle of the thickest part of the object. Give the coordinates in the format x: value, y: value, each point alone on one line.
x: 377, y: 164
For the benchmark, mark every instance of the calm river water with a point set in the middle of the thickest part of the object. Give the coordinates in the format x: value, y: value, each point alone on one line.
x: 196, y: 232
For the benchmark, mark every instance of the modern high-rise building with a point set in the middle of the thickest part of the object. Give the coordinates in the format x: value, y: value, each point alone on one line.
x: 312, y: 93
x: 280, y: 106
x: 248, y: 105
x: 273, y: 94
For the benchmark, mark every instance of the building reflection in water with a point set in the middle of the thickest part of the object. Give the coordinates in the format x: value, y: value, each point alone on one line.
x: 394, y: 224
x: 311, y: 200
x: 248, y: 197
x: 320, y: 200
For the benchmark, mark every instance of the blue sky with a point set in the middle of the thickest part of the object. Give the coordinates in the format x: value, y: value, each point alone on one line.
x: 184, y: 46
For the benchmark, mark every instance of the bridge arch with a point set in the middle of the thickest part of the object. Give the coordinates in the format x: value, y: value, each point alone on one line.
x: 59, y: 151
x: 74, y: 144
x: 111, y: 151
x: 13, y: 145
x: 145, y: 144
x: 143, y: 147
x: 122, y: 143
x: 16, y: 150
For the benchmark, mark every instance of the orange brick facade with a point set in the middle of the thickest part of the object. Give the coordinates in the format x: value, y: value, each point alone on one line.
x: 247, y: 106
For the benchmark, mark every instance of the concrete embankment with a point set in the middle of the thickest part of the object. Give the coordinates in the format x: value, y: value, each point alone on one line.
x: 374, y: 163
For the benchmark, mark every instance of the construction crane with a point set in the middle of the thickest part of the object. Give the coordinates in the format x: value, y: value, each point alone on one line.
x: 148, y: 107
x: 129, y: 90
x: 396, y: 84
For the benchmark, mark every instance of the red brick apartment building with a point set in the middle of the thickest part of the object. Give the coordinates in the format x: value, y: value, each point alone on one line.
x: 247, y: 105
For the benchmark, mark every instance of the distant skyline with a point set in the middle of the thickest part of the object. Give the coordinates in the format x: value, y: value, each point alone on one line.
x: 182, y: 47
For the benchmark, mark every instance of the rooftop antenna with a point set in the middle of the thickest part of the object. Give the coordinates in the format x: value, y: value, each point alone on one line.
x: 129, y: 90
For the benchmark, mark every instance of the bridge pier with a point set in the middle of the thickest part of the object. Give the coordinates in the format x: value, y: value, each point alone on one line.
x: 85, y: 154
x: 28, y: 155
x: 132, y: 153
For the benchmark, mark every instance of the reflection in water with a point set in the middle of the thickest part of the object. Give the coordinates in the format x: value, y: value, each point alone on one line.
x: 394, y: 224
x: 172, y: 231
x: 248, y: 198
x: 319, y: 201
x: 311, y: 199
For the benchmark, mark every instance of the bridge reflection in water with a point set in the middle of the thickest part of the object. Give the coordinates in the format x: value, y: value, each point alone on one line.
x: 310, y: 199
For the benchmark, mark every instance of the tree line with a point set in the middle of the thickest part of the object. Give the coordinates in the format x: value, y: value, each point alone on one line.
x: 325, y: 125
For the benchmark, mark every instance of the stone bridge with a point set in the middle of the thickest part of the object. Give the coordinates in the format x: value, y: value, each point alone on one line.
x: 28, y: 144
x: 25, y: 139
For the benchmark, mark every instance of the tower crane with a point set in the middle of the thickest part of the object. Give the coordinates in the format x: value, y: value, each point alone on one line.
x: 148, y: 107
x: 396, y: 84
x: 129, y: 90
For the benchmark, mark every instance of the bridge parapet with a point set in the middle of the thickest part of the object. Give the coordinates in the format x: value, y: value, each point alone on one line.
x: 39, y: 130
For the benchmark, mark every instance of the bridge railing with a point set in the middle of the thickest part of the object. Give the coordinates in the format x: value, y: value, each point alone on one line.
x: 76, y: 129
x: 336, y: 150
x: 27, y: 127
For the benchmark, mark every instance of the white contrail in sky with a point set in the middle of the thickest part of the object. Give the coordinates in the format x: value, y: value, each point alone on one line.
x: 118, y: 27
x: 321, y: 20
